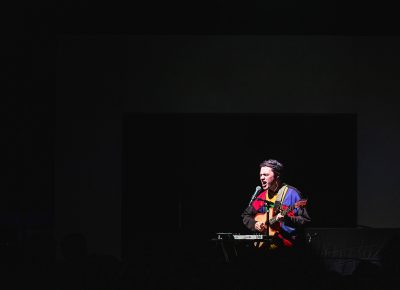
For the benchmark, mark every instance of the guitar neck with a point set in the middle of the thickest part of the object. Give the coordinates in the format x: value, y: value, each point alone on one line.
x: 284, y: 212
x: 299, y: 203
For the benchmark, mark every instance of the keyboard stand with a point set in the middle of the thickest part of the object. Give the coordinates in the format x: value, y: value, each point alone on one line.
x: 234, y: 239
x: 225, y: 251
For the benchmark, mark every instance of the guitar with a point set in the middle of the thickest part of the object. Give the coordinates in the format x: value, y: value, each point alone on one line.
x: 272, y: 221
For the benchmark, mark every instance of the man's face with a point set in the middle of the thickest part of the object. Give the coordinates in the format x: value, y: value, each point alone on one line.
x: 267, y: 177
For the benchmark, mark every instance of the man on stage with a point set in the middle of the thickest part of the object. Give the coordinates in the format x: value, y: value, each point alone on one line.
x: 279, y: 211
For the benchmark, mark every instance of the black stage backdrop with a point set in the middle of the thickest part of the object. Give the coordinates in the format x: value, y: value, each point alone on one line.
x: 188, y: 176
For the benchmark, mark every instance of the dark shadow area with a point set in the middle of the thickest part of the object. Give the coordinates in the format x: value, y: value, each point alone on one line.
x: 33, y: 264
x: 184, y: 264
x: 79, y: 269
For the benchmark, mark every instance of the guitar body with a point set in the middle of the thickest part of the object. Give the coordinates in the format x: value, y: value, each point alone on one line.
x: 262, y: 217
x: 273, y: 229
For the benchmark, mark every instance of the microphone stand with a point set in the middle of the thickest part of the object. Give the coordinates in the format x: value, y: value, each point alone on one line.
x: 258, y: 189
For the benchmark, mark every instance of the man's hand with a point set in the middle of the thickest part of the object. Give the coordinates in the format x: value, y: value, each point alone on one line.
x: 260, y: 226
x: 279, y: 217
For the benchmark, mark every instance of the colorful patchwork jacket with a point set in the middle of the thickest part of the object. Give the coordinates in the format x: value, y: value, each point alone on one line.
x: 293, y: 222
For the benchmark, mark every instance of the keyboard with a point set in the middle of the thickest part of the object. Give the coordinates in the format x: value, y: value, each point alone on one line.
x: 233, y: 236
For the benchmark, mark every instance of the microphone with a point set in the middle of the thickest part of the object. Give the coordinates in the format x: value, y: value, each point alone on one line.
x: 258, y: 189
